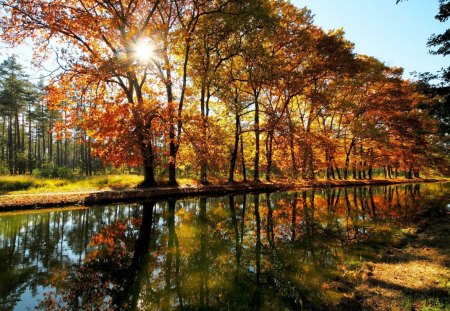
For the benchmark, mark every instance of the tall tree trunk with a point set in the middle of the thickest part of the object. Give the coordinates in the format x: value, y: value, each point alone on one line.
x: 244, y: 169
x: 89, y: 154
x: 204, y: 98
x: 50, y: 138
x: 338, y: 172
x: 292, y: 147
x: 312, y: 174
x: 2, y: 149
x: 269, y: 151
x: 10, y: 149
x: 58, y: 163
x: 149, y: 173
x: 257, y: 133
x: 347, y: 158
x: 234, y: 152
x: 17, y: 146
x: 43, y: 132
x: 30, y: 164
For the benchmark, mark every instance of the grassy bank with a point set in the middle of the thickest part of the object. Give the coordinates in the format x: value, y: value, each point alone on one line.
x: 31, y: 192
x: 32, y: 185
x: 26, y: 184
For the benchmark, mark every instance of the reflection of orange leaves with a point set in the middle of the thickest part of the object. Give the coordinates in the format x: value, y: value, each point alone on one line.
x: 109, y: 235
x: 58, y: 276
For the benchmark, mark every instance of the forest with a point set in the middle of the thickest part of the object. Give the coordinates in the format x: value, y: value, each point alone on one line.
x: 230, y: 90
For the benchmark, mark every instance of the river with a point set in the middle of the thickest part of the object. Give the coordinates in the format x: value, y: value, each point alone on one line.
x: 274, y: 251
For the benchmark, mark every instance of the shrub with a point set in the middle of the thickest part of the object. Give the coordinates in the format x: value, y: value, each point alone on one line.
x: 48, y: 170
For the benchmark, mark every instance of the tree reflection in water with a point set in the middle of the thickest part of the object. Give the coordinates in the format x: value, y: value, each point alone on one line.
x: 245, y: 252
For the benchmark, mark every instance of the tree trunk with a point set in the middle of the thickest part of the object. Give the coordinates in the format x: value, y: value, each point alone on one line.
x: 17, y: 146
x: 292, y: 147
x: 347, y: 158
x: 2, y: 155
x: 149, y: 174
x: 30, y: 164
x: 234, y: 152
x: 50, y: 139
x: 256, y: 159
x: 204, y: 114
x: 338, y: 172
x: 269, y: 150
x: 10, y: 149
x: 244, y: 169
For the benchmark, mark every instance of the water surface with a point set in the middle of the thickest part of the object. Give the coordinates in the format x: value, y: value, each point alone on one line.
x: 278, y: 251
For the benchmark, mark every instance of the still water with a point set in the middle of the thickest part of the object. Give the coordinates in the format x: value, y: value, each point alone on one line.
x: 278, y: 251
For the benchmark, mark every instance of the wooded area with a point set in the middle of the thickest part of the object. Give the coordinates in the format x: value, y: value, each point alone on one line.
x: 232, y: 90
x: 30, y: 141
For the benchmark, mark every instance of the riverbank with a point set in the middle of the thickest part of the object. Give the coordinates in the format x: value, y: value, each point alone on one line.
x: 49, y: 199
x: 411, y: 272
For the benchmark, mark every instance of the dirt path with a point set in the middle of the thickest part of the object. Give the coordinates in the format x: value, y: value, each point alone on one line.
x: 32, y: 201
x: 411, y: 275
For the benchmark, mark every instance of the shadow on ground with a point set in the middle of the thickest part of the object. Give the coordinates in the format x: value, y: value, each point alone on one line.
x: 413, y: 275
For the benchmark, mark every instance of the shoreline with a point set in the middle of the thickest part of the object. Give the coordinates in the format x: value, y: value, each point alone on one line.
x: 89, y: 198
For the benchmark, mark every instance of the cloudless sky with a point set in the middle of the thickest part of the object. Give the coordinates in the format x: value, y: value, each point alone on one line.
x: 396, y: 34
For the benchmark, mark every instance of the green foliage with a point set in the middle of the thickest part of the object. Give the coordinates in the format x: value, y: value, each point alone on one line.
x: 435, y: 304
x: 48, y: 170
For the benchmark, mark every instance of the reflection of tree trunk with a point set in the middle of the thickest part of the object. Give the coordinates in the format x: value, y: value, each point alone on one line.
x: 270, y: 233
x: 236, y: 237
x: 172, y: 249
x: 398, y: 197
x: 138, y: 267
x: 348, y: 206
x: 294, y: 216
x: 362, y: 200
x: 257, y: 298
x: 355, y: 197
x: 372, y: 202
x: 202, y: 221
x: 338, y: 196
x: 244, y: 206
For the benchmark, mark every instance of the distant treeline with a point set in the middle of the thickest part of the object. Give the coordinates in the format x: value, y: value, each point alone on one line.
x: 30, y: 142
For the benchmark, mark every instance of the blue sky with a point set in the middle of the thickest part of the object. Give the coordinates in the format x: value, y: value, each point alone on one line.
x: 394, y: 33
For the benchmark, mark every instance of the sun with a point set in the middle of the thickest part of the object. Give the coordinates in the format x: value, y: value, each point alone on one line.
x: 143, y: 51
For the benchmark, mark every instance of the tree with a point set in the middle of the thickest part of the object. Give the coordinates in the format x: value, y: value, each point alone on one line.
x: 17, y: 95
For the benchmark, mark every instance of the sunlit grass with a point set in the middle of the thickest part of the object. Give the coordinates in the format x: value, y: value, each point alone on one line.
x: 32, y: 184
x: 27, y: 184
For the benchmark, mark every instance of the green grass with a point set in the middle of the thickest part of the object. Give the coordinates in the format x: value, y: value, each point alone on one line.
x: 435, y: 304
x: 31, y: 184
